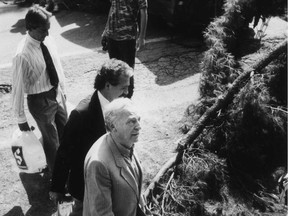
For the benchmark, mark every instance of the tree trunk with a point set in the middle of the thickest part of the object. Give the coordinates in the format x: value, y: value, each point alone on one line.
x: 159, y: 175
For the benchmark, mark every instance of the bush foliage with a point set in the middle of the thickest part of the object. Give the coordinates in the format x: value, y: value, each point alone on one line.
x: 232, y: 168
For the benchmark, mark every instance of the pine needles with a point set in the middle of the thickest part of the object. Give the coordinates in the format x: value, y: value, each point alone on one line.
x: 233, y: 166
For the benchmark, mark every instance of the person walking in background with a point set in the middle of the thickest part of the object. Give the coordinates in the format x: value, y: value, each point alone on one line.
x: 84, y: 127
x: 112, y: 172
x: 122, y: 34
x: 54, y: 6
x: 37, y: 72
x: 50, y: 5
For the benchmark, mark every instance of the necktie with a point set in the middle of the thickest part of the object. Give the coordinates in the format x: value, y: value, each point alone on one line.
x: 131, y: 152
x: 132, y: 165
x: 52, y: 73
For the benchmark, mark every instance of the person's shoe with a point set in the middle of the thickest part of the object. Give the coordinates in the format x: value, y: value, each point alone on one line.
x: 46, y: 174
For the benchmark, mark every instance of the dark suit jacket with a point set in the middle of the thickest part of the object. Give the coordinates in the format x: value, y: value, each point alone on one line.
x: 84, y: 127
x: 110, y: 188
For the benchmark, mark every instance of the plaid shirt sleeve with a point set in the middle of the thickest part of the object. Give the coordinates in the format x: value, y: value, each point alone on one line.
x: 142, y: 4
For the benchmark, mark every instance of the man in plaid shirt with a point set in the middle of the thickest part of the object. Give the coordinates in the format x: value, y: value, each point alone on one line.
x: 122, y: 32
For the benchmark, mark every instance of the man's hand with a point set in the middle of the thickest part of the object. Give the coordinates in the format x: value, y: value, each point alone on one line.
x: 24, y: 127
x: 140, y: 43
x: 104, y: 43
x: 56, y: 197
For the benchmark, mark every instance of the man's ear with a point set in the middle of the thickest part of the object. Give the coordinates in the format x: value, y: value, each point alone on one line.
x: 107, y: 85
x: 113, y: 128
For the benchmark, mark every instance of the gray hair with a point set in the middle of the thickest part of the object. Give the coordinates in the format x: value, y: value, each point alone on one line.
x: 114, y: 111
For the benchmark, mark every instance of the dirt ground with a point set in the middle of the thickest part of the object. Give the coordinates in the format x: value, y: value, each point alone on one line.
x: 166, y: 82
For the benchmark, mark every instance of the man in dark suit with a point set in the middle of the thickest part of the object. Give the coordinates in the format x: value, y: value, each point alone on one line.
x: 84, y: 127
x: 112, y: 172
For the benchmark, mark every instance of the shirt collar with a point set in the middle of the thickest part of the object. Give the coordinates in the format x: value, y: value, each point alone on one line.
x: 33, y: 41
x: 124, y: 151
x: 103, y: 101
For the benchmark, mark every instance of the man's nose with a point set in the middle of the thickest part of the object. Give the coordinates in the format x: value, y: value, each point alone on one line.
x: 138, y: 126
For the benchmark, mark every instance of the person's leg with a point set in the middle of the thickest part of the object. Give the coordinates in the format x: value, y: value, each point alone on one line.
x: 61, y: 116
x: 124, y: 50
x: 130, y: 88
x: 77, y: 208
x: 43, y: 107
x: 127, y: 53
x: 113, y: 49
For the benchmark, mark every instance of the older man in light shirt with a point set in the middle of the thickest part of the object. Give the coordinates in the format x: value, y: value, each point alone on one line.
x: 112, y: 171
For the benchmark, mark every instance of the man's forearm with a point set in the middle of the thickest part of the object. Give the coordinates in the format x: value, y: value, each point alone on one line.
x: 143, y: 22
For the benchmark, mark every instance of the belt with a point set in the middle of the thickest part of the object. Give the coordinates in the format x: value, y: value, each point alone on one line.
x: 51, y: 92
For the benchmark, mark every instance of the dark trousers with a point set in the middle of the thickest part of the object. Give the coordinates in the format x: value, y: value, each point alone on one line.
x: 125, y: 51
x: 49, y: 111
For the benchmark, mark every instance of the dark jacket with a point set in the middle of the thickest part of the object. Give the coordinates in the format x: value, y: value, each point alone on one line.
x: 84, y: 127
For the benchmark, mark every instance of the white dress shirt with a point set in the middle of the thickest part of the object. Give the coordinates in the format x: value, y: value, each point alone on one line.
x: 29, y: 72
x: 103, y: 102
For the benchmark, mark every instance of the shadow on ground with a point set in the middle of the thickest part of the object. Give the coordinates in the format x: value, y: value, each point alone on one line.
x: 19, y: 27
x: 37, y: 189
x: 171, y: 61
x: 15, y: 211
x: 88, y: 27
x: 85, y: 30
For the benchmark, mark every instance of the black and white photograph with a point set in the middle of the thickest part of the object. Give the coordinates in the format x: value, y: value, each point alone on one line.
x: 143, y: 108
